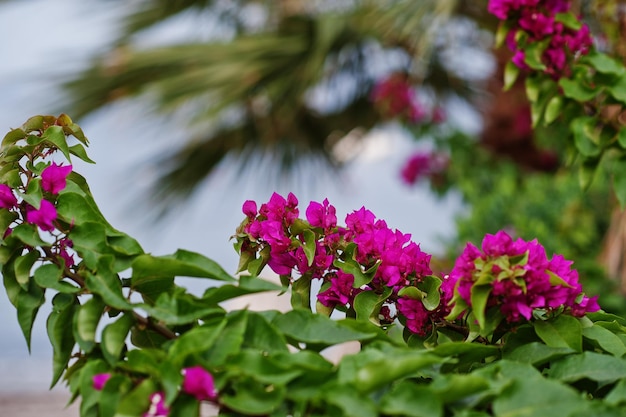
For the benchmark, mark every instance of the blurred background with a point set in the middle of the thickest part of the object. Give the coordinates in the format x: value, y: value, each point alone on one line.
x: 193, y: 107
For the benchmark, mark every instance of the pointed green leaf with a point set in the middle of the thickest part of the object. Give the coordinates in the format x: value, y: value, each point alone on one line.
x: 511, y: 73
x: 196, y: 341
x: 86, y: 322
x: 367, y: 304
x: 182, y: 263
x: 605, y: 340
x: 56, y: 136
x: 28, y: 234
x: 310, y: 246
x: 412, y: 400
x: 50, y: 275
x: 23, y: 265
x: 251, y: 397
x: 553, y: 108
x: 561, y: 331
x: 114, y: 338
x: 79, y: 151
x: 480, y: 295
x: 305, y: 326
x: 60, y: 333
x: 589, y: 365
x: 569, y: 20
x: 28, y: 303
x: 137, y: 401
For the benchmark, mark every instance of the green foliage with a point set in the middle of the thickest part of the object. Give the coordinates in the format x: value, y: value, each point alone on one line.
x: 269, y: 363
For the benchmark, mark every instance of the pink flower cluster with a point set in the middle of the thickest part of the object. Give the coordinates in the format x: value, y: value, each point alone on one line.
x: 392, y: 259
x: 537, y: 19
x: 423, y: 165
x: 394, y: 97
x: 522, y: 278
x: 53, y: 181
x: 197, y: 382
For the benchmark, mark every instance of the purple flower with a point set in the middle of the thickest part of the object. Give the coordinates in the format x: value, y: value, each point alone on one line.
x: 157, y: 406
x: 519, y: 286
x: 63, y: 253
x: 7, y: 198
x: 321, y: 215
x: 340, y: 291
x: 199, y: 383
x: 99, y: 380
x: 416, y: 316
x: 249, y: 209
x: 53, y: 178
x: 42, y: 217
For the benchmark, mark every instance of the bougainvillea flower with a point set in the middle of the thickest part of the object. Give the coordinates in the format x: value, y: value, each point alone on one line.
x: 322, y: 215
x: 199, y: 383
x: 99, y: 380
x: 522, y: 278
x: 42, y: 217
x: 416, y: 316
x: 67, y: 257
x: 53, y: 178
x: 7, y: 198
x: 157, y: 406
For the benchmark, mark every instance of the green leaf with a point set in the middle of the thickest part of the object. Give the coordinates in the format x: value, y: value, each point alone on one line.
x: 77, y: 209
x: 114, y: 338
x: 604, y: 63
x: 569, y: 20
x: 310, y: 246
x: 307, y: 327
x: 195, y: 341
x: 553, y: 109
x: 511, y: 73
x: 60, y: 333
x: 23, y: 265
x: 13, y: 136
x: 251, y: 397
x: 55, y: 136
x: 589, y: 365
x: 577, y: 89
x: 536, y: 353
x: 176, y: 309
x: 586, y: 136
x: 27, y: 304
x: 367, y: 304
x: 231, y: 338
x: 349, y: 401
x: 261, y: 367
x: 537, y: 397
x: 480, y: 295
x: 263, y: 335
x: 621, y: 137
x: 79, y: 151
x: 6, y: 219
x: 246, y: 285
x: 533, y: 53
x: 409, y: 399
x: 605, y: 340
x: 430, y: 286
x: 50, y: 275
x: 86, y: 322
x: 137, y: 401
x: 377, y: 373
x: 29, y: 235
x: 350, y: 266
x: 617, y: 396
x: 618, y: 89
x: 182, y: 263
x: 184, y: 406
x: 453, y: 387
x: 114, y: 389
x: 561, y: 331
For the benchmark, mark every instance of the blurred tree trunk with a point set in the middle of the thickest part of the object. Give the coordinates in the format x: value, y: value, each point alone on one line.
x: 613, y: 255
